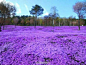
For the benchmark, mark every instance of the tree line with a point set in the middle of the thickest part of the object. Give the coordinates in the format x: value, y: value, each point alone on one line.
x: 8, y: 12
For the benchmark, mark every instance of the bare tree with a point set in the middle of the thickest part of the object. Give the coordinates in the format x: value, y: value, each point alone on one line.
x: 54, y: 13
x: 80, y: 10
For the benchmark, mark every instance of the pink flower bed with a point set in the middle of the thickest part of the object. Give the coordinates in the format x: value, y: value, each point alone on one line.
x: 25, y: 45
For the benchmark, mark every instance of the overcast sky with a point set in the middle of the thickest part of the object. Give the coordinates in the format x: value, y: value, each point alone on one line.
x: 64, y: 7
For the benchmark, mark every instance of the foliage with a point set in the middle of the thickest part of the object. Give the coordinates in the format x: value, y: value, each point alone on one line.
x: 36, y: 10
x: 27, y: 22
x: 40, y: 20
x: 6, y: 10
x: 22, y: 21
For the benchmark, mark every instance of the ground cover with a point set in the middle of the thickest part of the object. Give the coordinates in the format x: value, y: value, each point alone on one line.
x: 26, y: 45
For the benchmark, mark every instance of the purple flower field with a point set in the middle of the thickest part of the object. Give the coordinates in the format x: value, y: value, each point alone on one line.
x: 25, y: 45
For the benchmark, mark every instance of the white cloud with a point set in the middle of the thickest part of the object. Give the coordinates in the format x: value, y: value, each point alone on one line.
x: 46, y: 13
x: 7, y: 2
x: 2, y: 0
x: 17, y: 5
x: 11, y: 3
x: 18, y: 8
x: 45, y: 10
x: 27, y: 8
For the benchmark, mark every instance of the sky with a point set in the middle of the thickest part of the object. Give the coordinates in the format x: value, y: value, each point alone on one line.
x: 64, y: 7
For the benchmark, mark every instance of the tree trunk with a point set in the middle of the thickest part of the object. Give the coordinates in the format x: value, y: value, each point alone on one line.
x: 59, y: 23
x: 53, y: 22
x: 53, y: 25
x: 3, y: 21
x: 79, y: 23
x: 0, y: 27
x: 64, y: 23
x: 36, y: 21
x: 15, y: 25
x: 70, y: 23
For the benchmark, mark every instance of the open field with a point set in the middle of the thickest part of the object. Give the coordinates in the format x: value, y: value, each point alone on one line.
x: 26, y: 45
